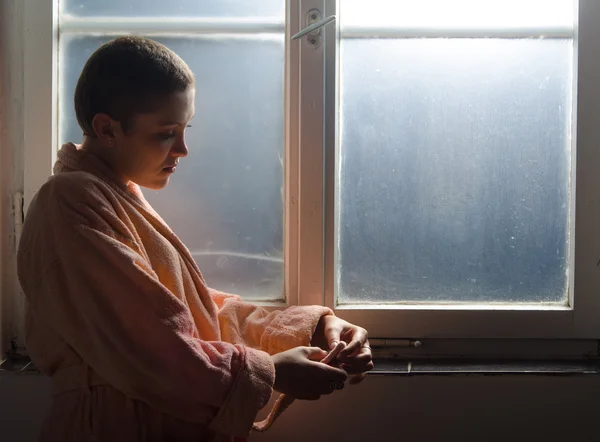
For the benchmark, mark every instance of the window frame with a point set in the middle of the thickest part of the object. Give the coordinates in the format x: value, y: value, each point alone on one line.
x: 40, y: 84
x: 36, y: 143
x: 576, y: 321
x: 310, y: 136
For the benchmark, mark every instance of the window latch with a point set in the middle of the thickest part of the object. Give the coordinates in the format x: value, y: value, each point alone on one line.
x: 315, y: 22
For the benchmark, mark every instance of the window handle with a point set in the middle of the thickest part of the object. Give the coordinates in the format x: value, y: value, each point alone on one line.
x: 313, y: 27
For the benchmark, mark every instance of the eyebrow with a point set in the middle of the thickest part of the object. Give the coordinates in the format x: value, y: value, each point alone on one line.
x: 166, y: 123
x: 174, y: 123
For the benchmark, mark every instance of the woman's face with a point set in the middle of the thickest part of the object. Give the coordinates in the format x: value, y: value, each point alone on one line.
x: 150, y: 150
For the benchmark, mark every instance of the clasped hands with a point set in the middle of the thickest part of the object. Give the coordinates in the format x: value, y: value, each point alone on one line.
x: 300, y: 374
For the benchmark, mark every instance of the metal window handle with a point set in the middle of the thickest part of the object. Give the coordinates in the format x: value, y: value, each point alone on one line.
x: 313, y: 27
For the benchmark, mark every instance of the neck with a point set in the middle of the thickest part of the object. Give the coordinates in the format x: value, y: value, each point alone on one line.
x: 106, y: 155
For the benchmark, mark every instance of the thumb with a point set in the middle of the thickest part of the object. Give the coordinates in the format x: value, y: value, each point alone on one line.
x: 333, y: 338
x: 315, y: 353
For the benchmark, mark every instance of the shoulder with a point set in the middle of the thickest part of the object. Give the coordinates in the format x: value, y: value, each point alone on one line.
x: 75, y: 196
x: 64, y: 205
x: 74, y: 203
x: 77, y: 186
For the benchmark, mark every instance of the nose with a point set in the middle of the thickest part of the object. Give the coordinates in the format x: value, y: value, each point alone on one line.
x: 180, y: 149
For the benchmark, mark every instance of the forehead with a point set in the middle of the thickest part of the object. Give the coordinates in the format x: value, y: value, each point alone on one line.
x: 176, y: 108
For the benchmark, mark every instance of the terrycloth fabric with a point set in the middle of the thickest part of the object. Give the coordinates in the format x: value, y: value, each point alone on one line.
x: 139, y: 348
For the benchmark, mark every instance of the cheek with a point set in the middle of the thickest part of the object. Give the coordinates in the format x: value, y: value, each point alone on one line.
x: 147, y: 154
x: 138, y: 156
x: 161, y: 151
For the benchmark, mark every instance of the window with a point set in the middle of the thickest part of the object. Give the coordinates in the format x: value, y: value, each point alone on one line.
x: 226, y: 202
x: 454, y: 164
x: 454, y: 152
x: 426, y: 168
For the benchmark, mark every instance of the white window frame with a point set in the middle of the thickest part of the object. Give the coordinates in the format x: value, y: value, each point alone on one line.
x: 39, y: 132
x: 577, y: 321
x: 310, y: 136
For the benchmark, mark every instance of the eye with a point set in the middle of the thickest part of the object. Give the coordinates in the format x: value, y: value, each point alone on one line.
x: 166, y: 136
x: 189, y: 125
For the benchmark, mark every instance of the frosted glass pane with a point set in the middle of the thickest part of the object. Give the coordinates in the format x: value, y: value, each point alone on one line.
x: 454, y: 170
x: 175, y: 8
x: 488, y: 13
x: 225, y: 200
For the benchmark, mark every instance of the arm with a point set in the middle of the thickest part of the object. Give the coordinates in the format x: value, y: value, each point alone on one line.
x: 273, y: 332
x: 105, y: 301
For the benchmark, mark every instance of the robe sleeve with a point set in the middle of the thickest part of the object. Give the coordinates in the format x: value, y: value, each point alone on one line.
x: 273, y: 332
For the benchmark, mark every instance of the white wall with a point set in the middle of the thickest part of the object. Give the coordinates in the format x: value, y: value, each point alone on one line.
x: 407, y: 409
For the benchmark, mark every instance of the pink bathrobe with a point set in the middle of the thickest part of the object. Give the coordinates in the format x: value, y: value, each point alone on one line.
x: 137, y: 345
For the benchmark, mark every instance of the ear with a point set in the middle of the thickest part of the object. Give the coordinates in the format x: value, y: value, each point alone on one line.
x: 106, y: 129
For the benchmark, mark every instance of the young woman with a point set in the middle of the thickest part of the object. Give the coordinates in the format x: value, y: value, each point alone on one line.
x: 139, y: 348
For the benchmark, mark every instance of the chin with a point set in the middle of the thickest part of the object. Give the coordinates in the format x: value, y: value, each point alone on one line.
x: 155, y: 185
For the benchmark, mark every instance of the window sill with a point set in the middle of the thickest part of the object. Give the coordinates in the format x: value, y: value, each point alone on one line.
x: 394, y: 367
x: 388, y: 367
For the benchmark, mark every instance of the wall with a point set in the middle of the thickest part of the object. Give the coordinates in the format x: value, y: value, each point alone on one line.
x: 11, y: 163
x: 407, y: 409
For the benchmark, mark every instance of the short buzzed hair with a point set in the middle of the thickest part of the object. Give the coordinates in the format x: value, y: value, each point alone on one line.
x: 128, y: 76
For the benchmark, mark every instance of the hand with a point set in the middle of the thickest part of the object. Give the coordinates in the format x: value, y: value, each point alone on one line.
x: 356, y: 359
x: 299, y: 373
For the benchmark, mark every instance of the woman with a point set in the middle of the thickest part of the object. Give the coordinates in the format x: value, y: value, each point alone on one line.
x: 119, y: 315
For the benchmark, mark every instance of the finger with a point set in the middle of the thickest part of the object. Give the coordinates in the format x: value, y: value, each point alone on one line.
x: 358, y: 363
x: 330, y: 387
x: 362, y: 362
x: 352, y: 349
x: 354, y: 369
x: 330, y: 373
x: 357, y: 379
x: 364, y: 356
x: 333, y: 354
x: 315, y: 353
x: 359, y: 339
x: 332, y: 335
x: 364, y: 352
x: 334, y: 386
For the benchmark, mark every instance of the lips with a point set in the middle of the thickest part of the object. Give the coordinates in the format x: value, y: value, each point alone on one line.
x: 170, y: 168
